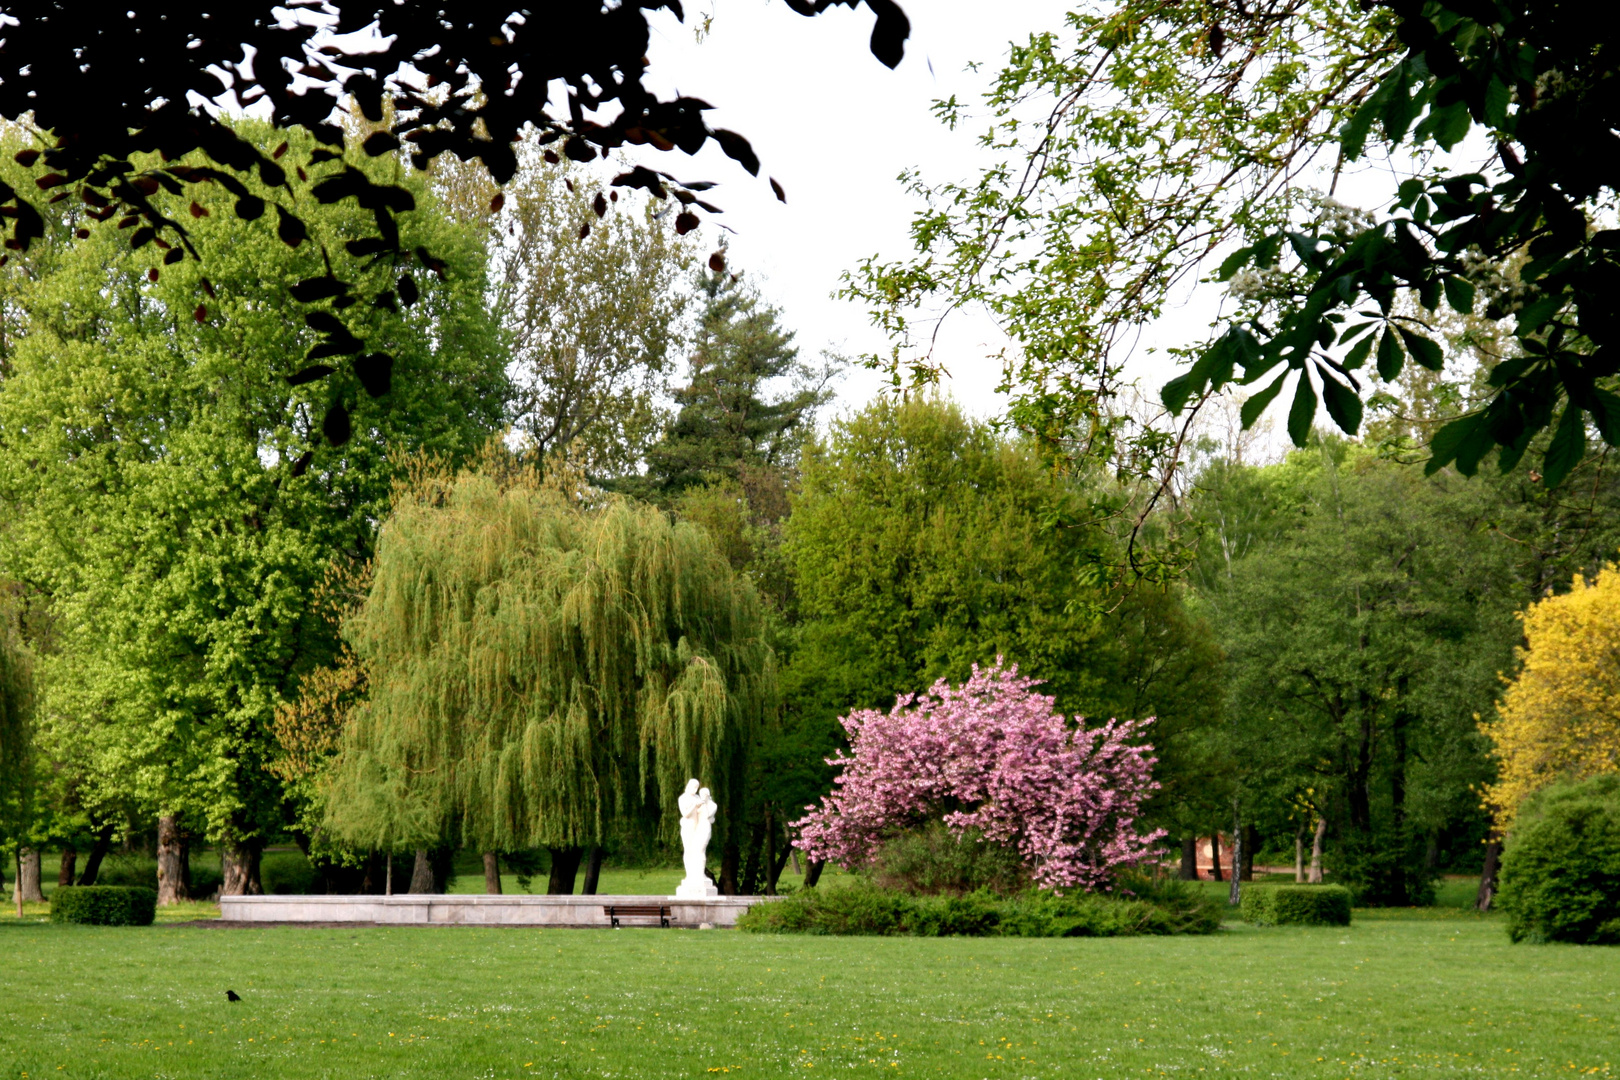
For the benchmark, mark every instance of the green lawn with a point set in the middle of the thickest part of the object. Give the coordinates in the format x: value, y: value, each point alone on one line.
x: 1392, y: 996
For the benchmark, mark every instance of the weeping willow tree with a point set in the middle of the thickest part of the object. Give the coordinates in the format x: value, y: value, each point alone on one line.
x: 542, y: 674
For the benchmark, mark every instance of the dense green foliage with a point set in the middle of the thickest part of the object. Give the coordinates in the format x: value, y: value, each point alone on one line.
x: 862, y: 908
x: 1296, y: 905
x: 104, y: 905
x: 725, y: 426
x: 1146, y: 144
x: 161, y: 500
x: 542, y: 674
x: 1561, y: 865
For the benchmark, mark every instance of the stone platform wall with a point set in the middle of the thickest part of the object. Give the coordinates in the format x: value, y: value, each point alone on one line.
x: 470, y: 910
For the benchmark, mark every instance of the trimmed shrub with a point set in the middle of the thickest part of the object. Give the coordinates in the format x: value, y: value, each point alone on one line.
x: 954, y: 916
x: 866, y: 909
x: 1560, y: 877
x: 1296, y: 905
x: 285, y: 873
x: 935, y: 861
x: 104, y: 905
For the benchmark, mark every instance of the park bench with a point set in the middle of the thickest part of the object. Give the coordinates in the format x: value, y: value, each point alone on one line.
x: 615, y: 912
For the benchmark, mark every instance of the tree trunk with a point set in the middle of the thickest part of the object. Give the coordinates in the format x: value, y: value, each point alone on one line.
x: 730, y: 861
x: 1315, y: 874
x: 239, y: 867
x: 422, y: 873
x: 1299, y: 855
x: 1215, y: 857
x: 388, y: 874
x: 753, y: 869
x: 98, y: 851
x: 492, y: 873
x: 1251, y: 844
x: 797, y: 868
x: 171, y: 873
x: 778, y: 865
x: 564, y: 868
x: 1188, y: 870
x: 1487, y: 879
x: 593, y: 871
x: 185, y: 862
x: 812, y: 872
x: 1235, y: 894
x: 28, y: 876
x: 64, y: 869
x: 1361, y: 773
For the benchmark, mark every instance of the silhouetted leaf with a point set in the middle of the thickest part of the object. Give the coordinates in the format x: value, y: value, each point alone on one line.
x: 1343, y: 404
x: 249, y: 207
x: 599, y: 205
x: 335, y: 426
x: 26, y: 158
x: 407, y: 290
x: 309, y: 375
x: 291, y: 230
x: 717, y: 262
x: 324, y: 322
x: 379, y: 143
x: 497, y: 202
x: 317, y: 288
x: 375, y: 372
x: 781, y: 196
x: 1302, y: 413
x: 1566, y: 449
x: 685, y: 223
x: 1390, y: 357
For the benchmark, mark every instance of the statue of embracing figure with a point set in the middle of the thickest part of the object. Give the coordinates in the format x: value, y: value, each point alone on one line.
x: 697, y: 824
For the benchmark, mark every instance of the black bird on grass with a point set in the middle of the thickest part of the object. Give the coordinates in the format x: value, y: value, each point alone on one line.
x: 232, y: 995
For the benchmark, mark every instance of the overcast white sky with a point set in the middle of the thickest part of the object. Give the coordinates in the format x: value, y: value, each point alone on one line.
x: 836, y: 127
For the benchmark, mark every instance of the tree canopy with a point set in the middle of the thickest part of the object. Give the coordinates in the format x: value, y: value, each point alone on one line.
x: 1150, y: 143
x: 1559, y: 718
x: 542, y: 674
x: 468, y: 82
x: 161, y: 495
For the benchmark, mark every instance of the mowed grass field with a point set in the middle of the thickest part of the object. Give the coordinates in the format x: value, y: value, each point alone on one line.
x: 1433, y: 994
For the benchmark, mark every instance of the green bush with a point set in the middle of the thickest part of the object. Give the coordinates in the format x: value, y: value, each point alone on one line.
x: 1296, y: 905
x: 129, y: 871
x: 863, y: 908
x: 1560, y: 876
x: 104, y: 905
x: 285, y: 873
x: 954, y: 916
x: 934, y: 861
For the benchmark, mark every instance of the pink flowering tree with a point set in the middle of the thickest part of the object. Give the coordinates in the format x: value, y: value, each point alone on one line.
x: 995, y: 756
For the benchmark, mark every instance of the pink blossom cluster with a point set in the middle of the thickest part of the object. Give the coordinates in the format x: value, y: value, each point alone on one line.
x: 995, y: 756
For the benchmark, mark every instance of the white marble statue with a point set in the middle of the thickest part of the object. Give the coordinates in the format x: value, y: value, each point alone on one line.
x: 697, y: 823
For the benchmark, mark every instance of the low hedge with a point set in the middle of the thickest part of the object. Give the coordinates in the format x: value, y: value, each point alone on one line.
x: 866, y: 909
x: 1296, y: 905
x: 104, y: 905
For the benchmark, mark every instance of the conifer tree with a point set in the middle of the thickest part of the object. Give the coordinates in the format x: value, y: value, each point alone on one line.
x: 542, y: 674
x: 726, y: 424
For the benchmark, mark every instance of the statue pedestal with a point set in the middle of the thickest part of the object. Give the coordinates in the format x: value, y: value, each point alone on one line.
x: 700, y: 889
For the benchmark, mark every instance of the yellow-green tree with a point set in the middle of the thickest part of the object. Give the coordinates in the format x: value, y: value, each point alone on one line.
x: 1559, y: 718
x: 542, y: 674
